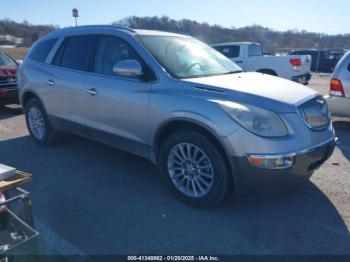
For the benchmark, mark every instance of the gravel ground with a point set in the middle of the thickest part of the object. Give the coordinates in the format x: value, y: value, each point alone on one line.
x: 89, y: 198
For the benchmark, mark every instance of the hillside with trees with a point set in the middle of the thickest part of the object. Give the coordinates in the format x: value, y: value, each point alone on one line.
x: 270, y: 39
x: 29, y: 33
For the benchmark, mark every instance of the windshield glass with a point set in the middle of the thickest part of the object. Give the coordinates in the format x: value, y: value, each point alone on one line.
x: 6, y: 61
x: 184, y: 57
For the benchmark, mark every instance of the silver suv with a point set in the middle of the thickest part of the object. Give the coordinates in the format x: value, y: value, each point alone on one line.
x: 179, y: 103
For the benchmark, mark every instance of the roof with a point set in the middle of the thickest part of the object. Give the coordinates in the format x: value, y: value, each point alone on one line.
x: 155, y: 32
x: 71, y: 30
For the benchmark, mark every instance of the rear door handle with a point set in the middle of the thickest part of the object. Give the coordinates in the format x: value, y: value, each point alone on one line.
x: 92, y: 92
x: 50, y: 82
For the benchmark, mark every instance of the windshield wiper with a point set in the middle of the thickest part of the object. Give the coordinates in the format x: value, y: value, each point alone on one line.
x: 208, y: 75
x: 233, y: 72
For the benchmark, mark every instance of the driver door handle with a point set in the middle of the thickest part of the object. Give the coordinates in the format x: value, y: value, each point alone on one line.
x: 50, y: 82
x: 92, y: 92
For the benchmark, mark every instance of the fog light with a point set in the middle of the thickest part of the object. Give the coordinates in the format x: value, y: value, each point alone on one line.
x: 270, y: 162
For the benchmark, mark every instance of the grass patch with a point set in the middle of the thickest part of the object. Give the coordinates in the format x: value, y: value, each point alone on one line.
x: 16, y: 53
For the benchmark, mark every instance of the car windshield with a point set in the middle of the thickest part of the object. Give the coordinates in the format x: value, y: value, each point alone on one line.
x: 6, y: 61
x: 185, y: 57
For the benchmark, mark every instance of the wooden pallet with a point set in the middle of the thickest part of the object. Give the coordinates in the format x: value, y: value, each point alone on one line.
x: 19, y: 179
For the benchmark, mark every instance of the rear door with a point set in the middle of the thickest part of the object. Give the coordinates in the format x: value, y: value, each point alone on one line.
x: 65, y: 82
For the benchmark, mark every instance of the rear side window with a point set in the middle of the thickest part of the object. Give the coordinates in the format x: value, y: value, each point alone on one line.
x: 254, y: 50
x: 76, y: 52
x: 42, y: 50
x: 229, y: 51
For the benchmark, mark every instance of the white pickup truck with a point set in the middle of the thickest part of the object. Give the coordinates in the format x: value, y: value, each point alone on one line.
x: 249, y: 56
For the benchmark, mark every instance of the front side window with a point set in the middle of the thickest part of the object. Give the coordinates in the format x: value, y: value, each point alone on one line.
x: 6, y: 61
x: 229, y: 51
x: 42, y: 50
x: 76, y: 53
x: 185, y: 57
x: 111, y: 50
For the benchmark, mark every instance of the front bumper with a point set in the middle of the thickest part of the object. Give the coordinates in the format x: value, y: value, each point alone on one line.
x: 338, y: 106
x: 250, y: 179
x: 302, y: 79
x: 8, y: 96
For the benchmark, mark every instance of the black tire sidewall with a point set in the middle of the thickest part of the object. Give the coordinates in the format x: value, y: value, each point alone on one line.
x: 218, y: 191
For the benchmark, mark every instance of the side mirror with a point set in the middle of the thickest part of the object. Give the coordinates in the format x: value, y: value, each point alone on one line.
x: 130, y: 68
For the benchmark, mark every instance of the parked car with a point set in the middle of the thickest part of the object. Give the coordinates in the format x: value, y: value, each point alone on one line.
x: 249, y: 56
x: 323, y: 61
x: 8, y: 80
x: 339, y: 94
x: 178, y: 103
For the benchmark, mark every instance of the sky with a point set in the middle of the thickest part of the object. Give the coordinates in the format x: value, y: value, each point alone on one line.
x: 323, y: 16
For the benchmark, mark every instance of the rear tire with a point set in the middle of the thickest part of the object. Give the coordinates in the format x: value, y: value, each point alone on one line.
x: 194, y: 168
x: 38, y: 123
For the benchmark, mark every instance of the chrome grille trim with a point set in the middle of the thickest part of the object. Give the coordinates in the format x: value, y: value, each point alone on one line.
x: 315, y: 113
x: 8, y: 82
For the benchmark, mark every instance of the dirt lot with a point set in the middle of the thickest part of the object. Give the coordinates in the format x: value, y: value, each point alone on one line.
x: 89, y: 198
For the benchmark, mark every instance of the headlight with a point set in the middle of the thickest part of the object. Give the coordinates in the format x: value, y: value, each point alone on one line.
x: 257, y: 120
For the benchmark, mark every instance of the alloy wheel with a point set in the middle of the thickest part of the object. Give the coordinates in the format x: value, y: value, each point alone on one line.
x: 190, y: 170
x: 36, y: 123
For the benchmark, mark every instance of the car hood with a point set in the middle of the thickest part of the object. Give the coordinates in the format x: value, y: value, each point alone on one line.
x: 266, y: 91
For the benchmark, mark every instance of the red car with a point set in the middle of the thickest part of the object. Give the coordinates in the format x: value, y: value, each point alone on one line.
x: 8, y: 80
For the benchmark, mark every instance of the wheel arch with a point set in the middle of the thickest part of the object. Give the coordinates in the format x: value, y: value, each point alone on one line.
x: 177, y: 124
x: 267, y: 71
x: 27, y: 96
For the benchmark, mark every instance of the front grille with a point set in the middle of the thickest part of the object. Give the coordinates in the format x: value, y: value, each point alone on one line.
x: 8, y: 82
x: 315, y: 113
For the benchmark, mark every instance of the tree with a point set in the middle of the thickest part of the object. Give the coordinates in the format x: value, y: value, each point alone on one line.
x: 270, y: 39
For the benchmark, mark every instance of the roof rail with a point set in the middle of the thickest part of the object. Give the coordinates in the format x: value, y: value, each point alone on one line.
x: 124, y: 28
x: 93, y: 27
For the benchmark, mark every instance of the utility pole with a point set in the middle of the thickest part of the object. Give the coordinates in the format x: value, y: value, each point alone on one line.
x: 75, y: 15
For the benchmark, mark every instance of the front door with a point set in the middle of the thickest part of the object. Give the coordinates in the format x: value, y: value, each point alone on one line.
x: 118, y: 106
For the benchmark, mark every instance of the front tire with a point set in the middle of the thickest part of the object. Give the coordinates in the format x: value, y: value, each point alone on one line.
x: 38, y: 124
x: 194, y: 168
